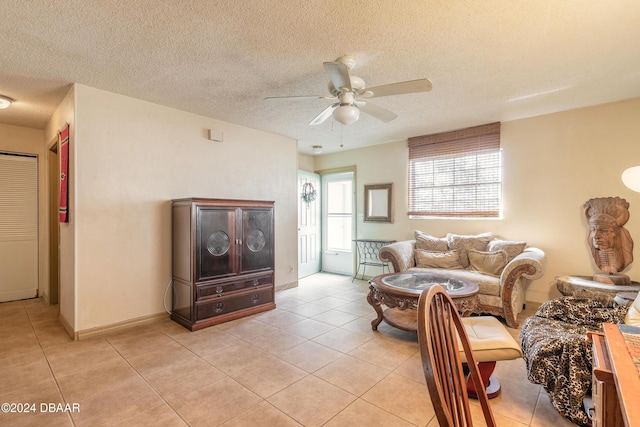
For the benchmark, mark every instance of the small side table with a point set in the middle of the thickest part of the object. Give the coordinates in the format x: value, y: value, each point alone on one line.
x: 584, y: 286
x: 368, y: 255
x: 625, y: 299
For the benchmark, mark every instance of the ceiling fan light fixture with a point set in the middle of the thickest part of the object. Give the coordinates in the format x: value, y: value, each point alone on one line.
x: 5, y: 101
x: 346, y: 114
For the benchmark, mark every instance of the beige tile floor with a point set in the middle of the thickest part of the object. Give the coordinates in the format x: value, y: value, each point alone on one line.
x: 313, y: 361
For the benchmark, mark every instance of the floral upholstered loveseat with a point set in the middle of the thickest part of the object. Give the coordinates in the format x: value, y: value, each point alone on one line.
x: 502, y: 269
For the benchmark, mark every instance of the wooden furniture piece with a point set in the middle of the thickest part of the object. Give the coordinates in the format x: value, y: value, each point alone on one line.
x: 399, y: 292
x: 585, y: 286
x: 439, y: 326
x: 368, y: 255
x: 223, y: 260
x: 616, y: 380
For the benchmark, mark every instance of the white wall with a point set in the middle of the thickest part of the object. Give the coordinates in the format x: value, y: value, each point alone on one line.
x: 305, y: 162
x: 65, y: 113
x: 553, y: 164
x: 131, y: 158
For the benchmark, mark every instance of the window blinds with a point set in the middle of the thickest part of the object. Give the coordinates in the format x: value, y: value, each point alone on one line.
x: 456, y: 174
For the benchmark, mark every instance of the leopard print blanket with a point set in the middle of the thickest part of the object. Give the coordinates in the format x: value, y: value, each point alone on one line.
x: 557, y: 351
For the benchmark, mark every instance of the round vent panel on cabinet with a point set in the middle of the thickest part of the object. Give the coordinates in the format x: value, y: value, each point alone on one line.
x: 218, y: 243
x: 256, y: 240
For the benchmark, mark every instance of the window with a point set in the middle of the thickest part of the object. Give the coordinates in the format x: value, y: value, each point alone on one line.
x: 456, y: 174
x: 339, y: 214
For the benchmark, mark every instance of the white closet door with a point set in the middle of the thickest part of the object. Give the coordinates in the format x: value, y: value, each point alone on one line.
x: 18, y: 227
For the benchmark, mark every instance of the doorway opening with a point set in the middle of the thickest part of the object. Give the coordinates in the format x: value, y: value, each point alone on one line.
x: 54, y: 226
x: 338, y: 224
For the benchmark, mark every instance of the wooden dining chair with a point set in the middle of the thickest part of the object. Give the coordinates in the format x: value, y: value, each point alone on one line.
x: 439, y: 326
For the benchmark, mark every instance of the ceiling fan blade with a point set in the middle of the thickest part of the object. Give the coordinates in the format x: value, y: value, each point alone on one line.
x: 378, y: 112
x: 411, y: 86
x: 339, y: 75
x: 324, y: 115
x: 301, y: 97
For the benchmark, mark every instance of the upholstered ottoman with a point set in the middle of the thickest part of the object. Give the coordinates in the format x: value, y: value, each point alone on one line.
x: 490, y: 342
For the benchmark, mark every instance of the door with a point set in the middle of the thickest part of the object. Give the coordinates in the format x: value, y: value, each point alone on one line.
x: 257, y: 240
x: 18, y: 227
x: 338, y: 225
x: 217, y: 254
x: 308, y: 224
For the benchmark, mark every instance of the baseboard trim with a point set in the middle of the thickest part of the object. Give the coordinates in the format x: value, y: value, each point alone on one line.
x: 127, y: 324
x: 284, y: 286
x: 67, y: 327
x: 119, y: 326
x: 533, y: 305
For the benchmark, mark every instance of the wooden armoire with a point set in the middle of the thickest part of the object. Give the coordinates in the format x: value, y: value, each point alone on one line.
x: 223, y: 260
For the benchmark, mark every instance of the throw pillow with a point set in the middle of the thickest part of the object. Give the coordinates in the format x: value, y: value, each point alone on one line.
x: 463, y: 244
x: 513, y: 249
x: 427, y: 242
x: 491, y: 263
x: 448, y: 260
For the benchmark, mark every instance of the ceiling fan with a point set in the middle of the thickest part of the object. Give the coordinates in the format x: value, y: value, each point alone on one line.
x: 349, y: 92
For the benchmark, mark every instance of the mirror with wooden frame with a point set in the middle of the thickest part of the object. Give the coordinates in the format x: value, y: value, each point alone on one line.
x: 378, y: 200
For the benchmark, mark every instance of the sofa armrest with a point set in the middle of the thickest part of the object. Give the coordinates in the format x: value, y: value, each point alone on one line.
x: 399, y: 254
x: 530, y: 264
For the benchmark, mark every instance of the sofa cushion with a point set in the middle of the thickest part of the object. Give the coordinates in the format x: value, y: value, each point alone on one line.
x: 463, y: 243
x: 512, y: 249
x: 427, y: 242
x: 430, y: 259
x: 491, y: 263
x: 489, y: 285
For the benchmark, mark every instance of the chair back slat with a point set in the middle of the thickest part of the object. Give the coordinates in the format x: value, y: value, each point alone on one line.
x: 439, y: 326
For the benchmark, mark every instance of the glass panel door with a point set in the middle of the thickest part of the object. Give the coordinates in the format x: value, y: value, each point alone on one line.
x: 215, y: 237
x: 257, y: 233
x: 338, y: 222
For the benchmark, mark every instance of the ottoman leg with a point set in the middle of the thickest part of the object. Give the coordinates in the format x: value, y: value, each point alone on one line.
x: 491, y: 382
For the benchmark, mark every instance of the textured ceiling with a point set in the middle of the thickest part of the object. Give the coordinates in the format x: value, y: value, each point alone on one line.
x: 489, y: 60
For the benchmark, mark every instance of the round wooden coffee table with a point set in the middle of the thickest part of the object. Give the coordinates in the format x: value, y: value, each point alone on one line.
x: 400, y: 292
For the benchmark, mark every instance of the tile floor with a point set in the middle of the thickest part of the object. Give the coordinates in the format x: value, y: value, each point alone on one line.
x: 313, y: 361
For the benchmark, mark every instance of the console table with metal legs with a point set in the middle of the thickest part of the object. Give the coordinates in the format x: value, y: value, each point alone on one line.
x: 368, y: 255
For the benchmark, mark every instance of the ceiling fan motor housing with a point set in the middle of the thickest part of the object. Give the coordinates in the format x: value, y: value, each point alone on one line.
x: 357, y: 84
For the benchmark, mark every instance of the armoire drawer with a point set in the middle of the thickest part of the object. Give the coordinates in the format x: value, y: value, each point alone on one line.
x: 238, y: 301
x: 222, y: 288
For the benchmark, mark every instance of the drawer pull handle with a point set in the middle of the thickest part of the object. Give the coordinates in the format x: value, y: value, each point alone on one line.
x: 256, y: 298
x: 256, y: 282
x: 219, y: 307
x: 218, y: 289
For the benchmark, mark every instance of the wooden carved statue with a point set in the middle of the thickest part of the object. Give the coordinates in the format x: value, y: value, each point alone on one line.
x: 610, y: 243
